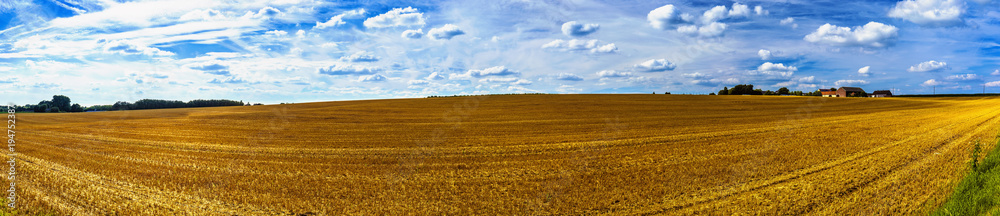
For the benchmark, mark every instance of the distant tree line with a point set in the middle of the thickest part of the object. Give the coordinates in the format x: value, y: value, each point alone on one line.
x: 747, y: 89
x: 61, y: 103
x: 165, y: 104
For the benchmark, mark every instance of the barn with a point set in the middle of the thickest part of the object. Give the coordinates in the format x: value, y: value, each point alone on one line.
x: 849, y: 91
x: 881, y: 93
x: 828, y: 93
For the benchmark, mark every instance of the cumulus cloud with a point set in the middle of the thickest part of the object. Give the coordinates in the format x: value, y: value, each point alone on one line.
x: 864, y: 71
x: 491, y: 71
x: 575, y: 45
x: 929, y: 66
x: 577, y: 29
x: 715, y: 14
x: 343, y: 69
x: 739, y: 10
x: 125, y: 47
x: 963, y: 77
x: 434, y: 76
x: 264, y: 13
x: 789, y: 22
x: 665, y: 17
x: 769, y: 67
x: 930, y: 12
x: 760, y: 10
x: 613, y: 73
x: 446, y: 32
x: 696, y: 75
x: 396, y: 17
x: 339, y: 19
x: 360, y: 57
x: 413, y: 34
x: 996, y: 72
x: 764, y: 54
x: 711, y: 30
x: 850, y: 82
x: 873, y: 34
x: 569, y: 77
x: 932, y: 82
x: 372, y: 78
x: 993, y: 84
x: 655, y: 65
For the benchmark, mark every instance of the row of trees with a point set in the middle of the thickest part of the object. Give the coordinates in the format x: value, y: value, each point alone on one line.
x: 61, y: 103
x: 164, y: 104
x: 747, y: 89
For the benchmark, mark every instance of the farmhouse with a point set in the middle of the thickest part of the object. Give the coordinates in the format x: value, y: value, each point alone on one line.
x: 881, y: 93
x: 828, y: 93
x: 849, y: 91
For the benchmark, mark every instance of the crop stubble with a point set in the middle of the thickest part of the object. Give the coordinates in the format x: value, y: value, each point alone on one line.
x: 523, y: 154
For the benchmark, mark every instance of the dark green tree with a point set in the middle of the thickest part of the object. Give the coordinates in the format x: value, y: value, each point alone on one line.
x: 76, y: 108
x: 61, y: 101
x: 783, y: 91
x: 724, y: 91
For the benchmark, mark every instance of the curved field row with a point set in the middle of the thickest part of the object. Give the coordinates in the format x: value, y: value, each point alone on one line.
x: 524, y: 154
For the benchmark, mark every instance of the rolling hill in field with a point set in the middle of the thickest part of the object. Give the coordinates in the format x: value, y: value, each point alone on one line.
x: 517, y: 154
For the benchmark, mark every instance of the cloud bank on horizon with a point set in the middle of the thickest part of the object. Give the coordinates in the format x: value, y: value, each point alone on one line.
x: 100, y: 52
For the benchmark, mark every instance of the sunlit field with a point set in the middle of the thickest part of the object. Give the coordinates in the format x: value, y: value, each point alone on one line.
x: 512, y: 154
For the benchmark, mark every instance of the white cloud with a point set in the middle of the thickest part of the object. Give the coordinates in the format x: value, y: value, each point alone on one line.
x: 126, y: 47
x: 569, y: 77
x: 508, y: 80
x: 664, y: 17
x: 264, y: 13
x: 772, y: 67
x: 711, y: 30
x: 413, y: 34
x: 205, y: 15
x: 996, y: 72
x: 696, y: 75
x: 360, y: 57
x: 396, y: 17
x: 930, y: 12
x: 864, y: 71
x: 372, y: 78
x: 446, y: 32
x: 715, y: 14
x: 344, y: 69
x: 613, y: 73
x: 873, y: 34
x: 592, y: 46
x: 491, y: 71
x: 339, y: 19
x: 760, y: 10
x: 764, y: 54
x: 962, y: 77
x: 929, y: 66
x: 993, y: 84
x: 932, y: 82
x: 739, y: 10
x: 850, y: 82
x: 434, y: 76
x: 418, y: 82
x: 576, y: 29
x: 789, y: 22
x: 655, y: 65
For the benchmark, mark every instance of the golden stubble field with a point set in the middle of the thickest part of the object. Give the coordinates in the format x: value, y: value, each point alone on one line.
x: 520, y: 154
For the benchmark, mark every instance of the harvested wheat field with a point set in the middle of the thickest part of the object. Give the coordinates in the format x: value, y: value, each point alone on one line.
x: 512, y: 154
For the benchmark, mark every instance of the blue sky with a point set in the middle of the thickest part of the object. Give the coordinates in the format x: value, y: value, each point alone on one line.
x: 99, y: 52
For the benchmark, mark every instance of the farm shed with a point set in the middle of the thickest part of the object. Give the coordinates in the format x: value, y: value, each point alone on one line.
x: 828, y: 93
x: 881, y: 93
x: 848, y: 91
